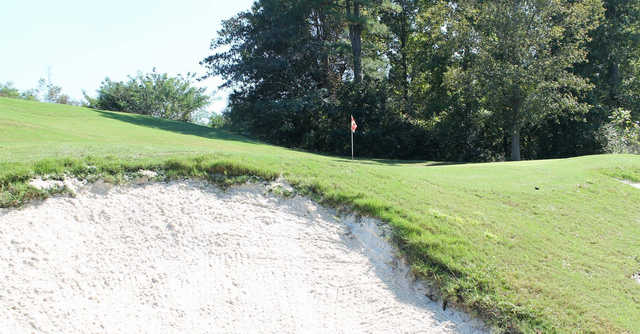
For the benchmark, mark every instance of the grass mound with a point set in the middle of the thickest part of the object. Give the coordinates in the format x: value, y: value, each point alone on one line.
x: 547, y: 246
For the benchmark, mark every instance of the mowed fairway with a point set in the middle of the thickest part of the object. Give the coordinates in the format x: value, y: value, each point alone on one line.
x: 557, y: 258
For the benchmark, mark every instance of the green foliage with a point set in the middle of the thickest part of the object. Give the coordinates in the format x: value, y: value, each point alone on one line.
x: 152, y: 94
x: 289, y: 81
x: 522, y: 56
x: 52, y: 92
x: 621, y: 134
x: 30, y: 94
x: 218, y: 121
x: 465, y: 80
x: 7, y: 90
x: 614, y: 51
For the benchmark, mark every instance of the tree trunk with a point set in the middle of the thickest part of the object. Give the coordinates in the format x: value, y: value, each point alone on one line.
x: 614, y: 81
x: 355, y: 35
x: 515, y: 126
x: 515, y: 144
x: 505, y: 145
x: 405, y: 67
x: 405, y: 83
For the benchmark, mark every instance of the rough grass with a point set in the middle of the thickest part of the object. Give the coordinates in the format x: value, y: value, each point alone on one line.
x: 536, y: 246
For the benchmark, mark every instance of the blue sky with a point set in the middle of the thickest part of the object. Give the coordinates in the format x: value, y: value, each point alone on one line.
x: 82, y: 42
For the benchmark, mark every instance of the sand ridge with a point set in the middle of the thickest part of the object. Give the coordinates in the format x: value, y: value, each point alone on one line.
x: 187, y: 257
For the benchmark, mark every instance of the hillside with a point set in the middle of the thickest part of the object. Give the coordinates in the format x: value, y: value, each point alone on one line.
x: 549, y: 245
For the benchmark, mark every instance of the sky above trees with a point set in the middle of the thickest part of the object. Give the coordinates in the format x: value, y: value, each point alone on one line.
x: 82, y: 42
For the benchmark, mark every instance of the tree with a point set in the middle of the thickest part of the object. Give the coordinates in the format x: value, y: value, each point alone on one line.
x: 7, y: 90
x: 614, y: 52
x: 362, y: 16
x: 30, y: 94
x: 525, y: 52
x: 464, y: 80
x: 614, y: 47
x: 356, y: 25
x: 52, y: 92
x: 400, y: 17
x: 152, y: 94
x: 285, y: 61
x: 280, y: 47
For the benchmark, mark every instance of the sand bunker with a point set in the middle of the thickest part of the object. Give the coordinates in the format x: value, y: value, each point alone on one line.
x: 633, y: 184
x: 186, y: 257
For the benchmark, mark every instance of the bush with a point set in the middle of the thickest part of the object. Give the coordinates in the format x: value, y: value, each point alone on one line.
x: 621, y: 134
x: 152, y: 94
x: 218, y: 121
x: 7, y: 90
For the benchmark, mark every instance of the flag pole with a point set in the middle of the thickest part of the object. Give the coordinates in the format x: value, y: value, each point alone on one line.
x: 351, y: 130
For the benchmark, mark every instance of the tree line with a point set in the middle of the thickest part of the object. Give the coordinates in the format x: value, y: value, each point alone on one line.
x: 45, y: 91
x: 154, y: 94
x: 466, y: 80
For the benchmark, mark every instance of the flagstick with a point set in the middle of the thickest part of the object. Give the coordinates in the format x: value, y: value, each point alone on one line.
x: 351, y: 130
x: 351, y: 144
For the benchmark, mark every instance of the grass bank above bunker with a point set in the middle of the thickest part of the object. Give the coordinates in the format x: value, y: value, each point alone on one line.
x: 468, y: 284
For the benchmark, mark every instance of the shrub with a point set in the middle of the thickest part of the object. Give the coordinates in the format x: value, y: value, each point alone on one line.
x: 152, y: 94
x: 217, y: 121
x: 7, y: 90
x: 621, y: 134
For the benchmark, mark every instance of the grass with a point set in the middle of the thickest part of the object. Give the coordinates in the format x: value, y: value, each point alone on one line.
x: 558, y: 258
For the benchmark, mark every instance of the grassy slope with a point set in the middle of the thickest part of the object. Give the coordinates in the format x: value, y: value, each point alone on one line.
x: 559, y: 258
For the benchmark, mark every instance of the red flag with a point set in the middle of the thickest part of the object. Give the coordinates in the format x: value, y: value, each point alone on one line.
x: 354, y: 126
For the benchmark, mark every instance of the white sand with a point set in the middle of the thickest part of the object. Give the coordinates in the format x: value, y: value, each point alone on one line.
x: 185, y: 257
x: 633, y: 184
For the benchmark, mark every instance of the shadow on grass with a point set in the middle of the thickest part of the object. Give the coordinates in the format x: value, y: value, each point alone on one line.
x: 175, y: 126
x: 391, y: 162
